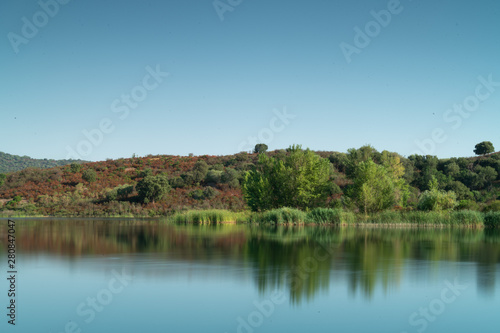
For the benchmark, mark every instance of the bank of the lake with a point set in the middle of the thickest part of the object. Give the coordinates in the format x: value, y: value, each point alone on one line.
x: 327, y: 216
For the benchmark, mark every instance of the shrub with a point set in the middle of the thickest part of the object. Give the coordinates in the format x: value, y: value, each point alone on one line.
x: 210, y: 193
x: 467, y: 205
x: 492, y: 219
x: 214, y: 176
x: 197, y: 194
x: 436, y: 200
x: 120, y: 192
x: 493, y: 207
x: 89, y: 175
x: 75, y: 167
x: 177, y: 182
x: 200, y: 171
x: 153, y: 188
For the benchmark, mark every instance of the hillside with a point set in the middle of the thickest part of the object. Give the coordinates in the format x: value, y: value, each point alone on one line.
x: 205, y: 182
x: 10, y: 163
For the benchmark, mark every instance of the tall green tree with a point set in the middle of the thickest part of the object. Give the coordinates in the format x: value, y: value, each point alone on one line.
x: 298, y: 179
x: 483, y: 148
x: 377, y: 187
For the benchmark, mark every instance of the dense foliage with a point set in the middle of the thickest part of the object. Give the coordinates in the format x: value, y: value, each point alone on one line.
x: 360, y: 181
x: 299, y: 179
x: 10, y: 163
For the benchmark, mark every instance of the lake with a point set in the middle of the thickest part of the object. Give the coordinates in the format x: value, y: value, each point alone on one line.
x: 81, y: 275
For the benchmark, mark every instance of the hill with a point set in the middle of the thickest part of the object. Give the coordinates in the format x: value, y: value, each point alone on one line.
x: 109, y: 188
x: 10, y: 163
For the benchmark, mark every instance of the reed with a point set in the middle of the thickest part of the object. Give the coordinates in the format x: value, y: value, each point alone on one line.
x: 211, y: 216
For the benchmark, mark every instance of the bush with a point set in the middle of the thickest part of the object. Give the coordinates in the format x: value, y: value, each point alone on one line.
x: 120, y: 192
x: 210, y: 193
x: 89, y: 175
x: 467, y: 205
x: 437, y: 200
x: 75, y: 167
x: 207, y: 193
x: 493, y: 207
x: 197, y: 194
x: 214, y: 176
x: 177, y: 182
x: 492, y: 219
x: 153, y: 188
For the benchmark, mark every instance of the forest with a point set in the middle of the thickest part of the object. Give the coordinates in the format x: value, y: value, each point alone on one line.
x: 9, y: 162
x: 361, y: 182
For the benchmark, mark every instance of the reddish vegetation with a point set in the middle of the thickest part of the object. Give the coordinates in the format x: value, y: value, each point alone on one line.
x: 50, y: 189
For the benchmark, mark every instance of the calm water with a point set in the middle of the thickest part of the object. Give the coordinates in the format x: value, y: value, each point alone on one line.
x: 133, y: 276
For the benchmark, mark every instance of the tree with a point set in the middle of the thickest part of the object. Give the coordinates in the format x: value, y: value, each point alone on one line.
x: 89, y: 175
x: 200, y: 171
x: 483, y: 148
x: 2, y: 178
x: 75, y: 167
x: 260, y: 148
x: 298, y: 179
x: 435, y: 199
x: 377, y: 187
x: 153, y: 188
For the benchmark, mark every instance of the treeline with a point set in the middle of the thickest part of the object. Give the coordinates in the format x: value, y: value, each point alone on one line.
x: 362, y: 181
x: 10, y: 163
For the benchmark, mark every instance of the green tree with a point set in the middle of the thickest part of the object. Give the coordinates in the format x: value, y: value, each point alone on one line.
x: 483, y: 148
x: 75, y: 167
x: 435, y: 199
x: 89, y: 175
x: 260, y: 148
x: 2, y: 178
x: 200, y: 171
x: 299, y: 179
x: 153, y: 188
x: 377, y: 187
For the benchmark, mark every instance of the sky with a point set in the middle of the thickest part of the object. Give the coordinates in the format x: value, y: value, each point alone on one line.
x: 109, y: 79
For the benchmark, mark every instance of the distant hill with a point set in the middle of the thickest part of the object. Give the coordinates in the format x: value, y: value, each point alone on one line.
x: 10, y: 163
x: 109, y: 188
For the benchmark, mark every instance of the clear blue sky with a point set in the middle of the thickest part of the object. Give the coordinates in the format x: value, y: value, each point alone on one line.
x: 228, y: 78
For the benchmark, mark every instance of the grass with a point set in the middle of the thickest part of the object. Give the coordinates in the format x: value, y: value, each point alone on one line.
x: 211, y: 216
x: 333, y: 216
x: 281, y: 216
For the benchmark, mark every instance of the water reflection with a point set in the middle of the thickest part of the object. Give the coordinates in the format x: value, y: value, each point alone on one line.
x: 306, y: 261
